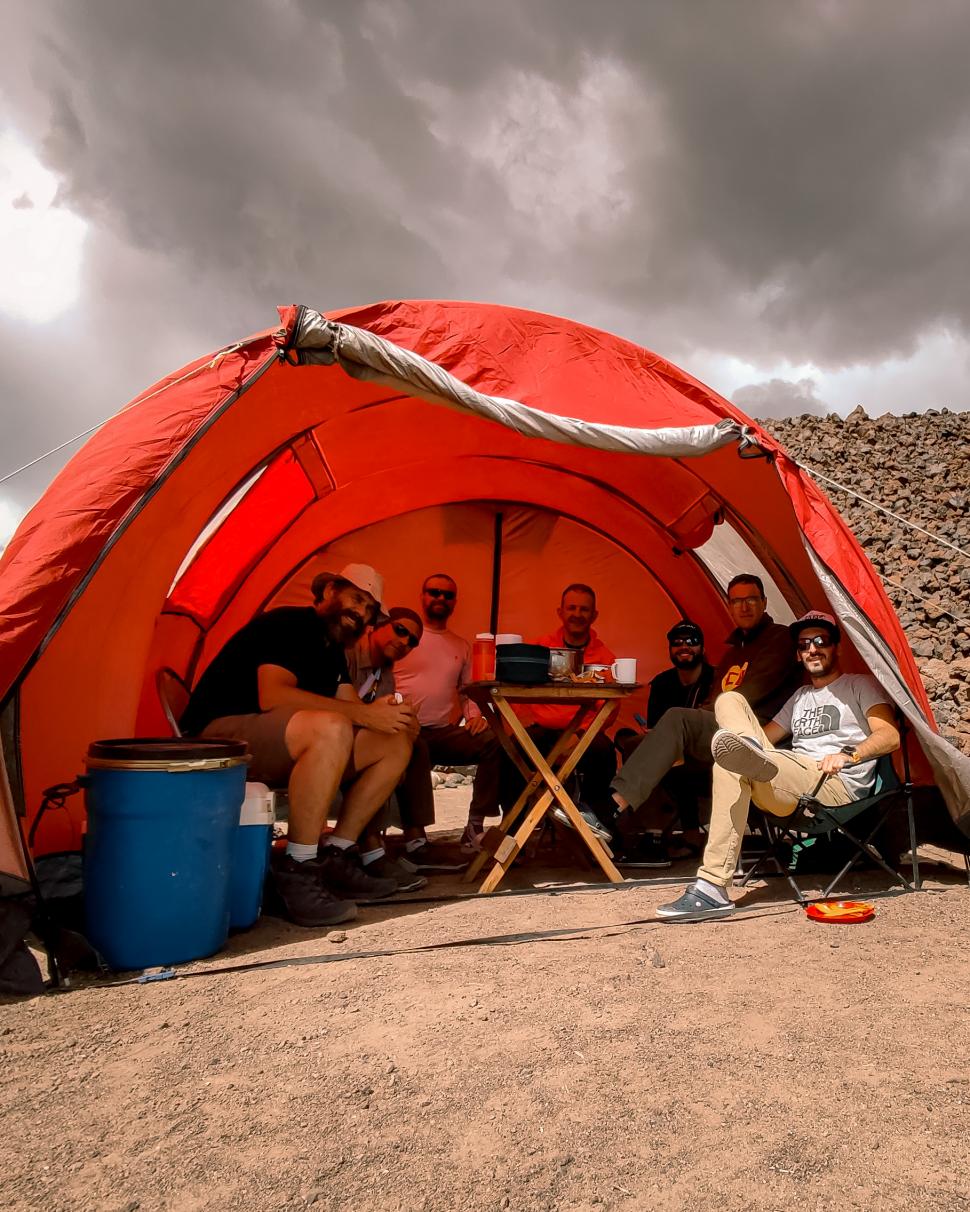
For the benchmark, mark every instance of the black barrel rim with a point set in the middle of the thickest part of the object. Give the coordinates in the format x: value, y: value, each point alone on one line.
x: 166, y: 749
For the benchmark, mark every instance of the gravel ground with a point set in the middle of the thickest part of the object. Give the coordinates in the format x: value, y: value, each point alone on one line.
x: 755, y: 1063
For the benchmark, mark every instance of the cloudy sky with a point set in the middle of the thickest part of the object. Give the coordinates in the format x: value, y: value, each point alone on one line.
x: 773, y: 195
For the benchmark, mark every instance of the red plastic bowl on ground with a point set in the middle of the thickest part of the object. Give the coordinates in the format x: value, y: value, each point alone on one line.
x: 844, y: 912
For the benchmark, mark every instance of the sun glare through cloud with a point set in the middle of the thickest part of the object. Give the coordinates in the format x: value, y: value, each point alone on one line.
x: 41, y: 242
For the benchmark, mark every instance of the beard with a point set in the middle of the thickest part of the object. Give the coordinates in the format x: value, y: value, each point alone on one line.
x: 687, y: 660
x: 345, y: 626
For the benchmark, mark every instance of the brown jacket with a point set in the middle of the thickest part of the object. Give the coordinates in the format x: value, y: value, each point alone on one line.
x: 760, y: 664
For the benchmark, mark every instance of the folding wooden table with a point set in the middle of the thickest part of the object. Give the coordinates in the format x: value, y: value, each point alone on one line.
x: 496, y: 699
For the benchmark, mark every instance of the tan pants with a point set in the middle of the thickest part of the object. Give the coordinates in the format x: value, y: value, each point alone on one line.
x: 732, y: 793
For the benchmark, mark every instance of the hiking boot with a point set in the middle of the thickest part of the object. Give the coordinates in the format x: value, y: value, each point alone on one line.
x: 694, y: 906
x: 742, y: 755
x: 597, y: 827
x: 647, y: 852
x: 431, y: 857
x: 387, y: 868
x: 296, y: 891
x: 343, y: 873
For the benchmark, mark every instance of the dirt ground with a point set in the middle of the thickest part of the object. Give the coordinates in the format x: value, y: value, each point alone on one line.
x: 613, y: 1062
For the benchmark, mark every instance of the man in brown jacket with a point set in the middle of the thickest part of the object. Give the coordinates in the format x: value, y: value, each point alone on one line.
x: 759, y: 664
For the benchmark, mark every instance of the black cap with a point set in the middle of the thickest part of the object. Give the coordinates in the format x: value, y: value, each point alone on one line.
x: 685, y: 630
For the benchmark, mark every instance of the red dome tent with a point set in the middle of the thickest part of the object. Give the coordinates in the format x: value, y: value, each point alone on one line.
x: 414, y: 436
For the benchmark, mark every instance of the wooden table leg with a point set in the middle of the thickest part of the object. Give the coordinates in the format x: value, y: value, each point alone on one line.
x: 555, y: 789
x: 533, y: 778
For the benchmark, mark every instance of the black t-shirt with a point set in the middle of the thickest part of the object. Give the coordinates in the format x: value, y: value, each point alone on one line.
x: 667, y: 690
x: 294, y: 637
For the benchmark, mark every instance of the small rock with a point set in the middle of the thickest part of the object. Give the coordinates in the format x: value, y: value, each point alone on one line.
x: 657, y: 960
x: 337, y: 936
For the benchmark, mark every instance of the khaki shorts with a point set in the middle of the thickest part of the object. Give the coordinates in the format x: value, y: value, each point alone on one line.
x: 265, y: 734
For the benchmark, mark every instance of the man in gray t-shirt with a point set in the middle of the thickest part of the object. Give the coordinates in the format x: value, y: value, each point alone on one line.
x: 840, y: 723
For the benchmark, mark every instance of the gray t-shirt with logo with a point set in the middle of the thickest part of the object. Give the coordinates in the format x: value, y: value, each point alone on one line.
x: 823, y: 719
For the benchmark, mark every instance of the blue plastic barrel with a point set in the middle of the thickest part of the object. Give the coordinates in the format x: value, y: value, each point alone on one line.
x: 162, y: 818
x: 250, y: 856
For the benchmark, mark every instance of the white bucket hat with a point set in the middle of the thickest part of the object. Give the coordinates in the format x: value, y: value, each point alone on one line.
x: 366, y: 578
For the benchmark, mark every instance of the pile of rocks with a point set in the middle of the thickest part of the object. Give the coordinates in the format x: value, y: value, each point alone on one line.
x: 453, y: 776
x: 916, y: 466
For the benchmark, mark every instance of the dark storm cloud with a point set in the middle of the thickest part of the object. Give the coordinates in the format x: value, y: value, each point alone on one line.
x: 779, y: 183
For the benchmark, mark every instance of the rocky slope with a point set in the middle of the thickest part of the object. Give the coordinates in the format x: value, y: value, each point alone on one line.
x: 917, y: 466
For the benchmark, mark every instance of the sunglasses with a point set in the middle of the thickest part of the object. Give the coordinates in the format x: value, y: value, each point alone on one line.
x: 752, y: 601
x: 403, y: 633
x: 813, y: 641
x: 447, y: 594
x: 683, y: 642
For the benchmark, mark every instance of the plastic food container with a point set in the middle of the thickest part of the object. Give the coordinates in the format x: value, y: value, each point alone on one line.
x: 527, y: 664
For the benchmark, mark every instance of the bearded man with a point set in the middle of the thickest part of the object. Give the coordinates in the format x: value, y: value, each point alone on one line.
x: 281, y: 684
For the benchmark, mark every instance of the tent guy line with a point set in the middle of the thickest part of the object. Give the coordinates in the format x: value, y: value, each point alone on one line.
x: 138, y: 400
x: 882, y: 509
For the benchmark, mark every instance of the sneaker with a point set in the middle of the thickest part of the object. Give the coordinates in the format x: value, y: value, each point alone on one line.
x: 598, y: 829
x: 387, y: 868
x: 431, y: 857
x: 742, y: 755
x: 471, y: 839
x: 344, y: 874
x: 297, y: 891
x: 694, y: 906
x: 647, y: 852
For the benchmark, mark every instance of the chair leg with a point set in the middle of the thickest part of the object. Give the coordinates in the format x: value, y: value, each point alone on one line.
x: 913, y: 848
x: 864, y: 846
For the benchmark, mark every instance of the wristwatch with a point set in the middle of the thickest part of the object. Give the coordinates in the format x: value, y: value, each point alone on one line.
x: 851, y: 753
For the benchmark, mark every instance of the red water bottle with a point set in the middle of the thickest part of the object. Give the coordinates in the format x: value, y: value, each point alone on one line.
x: 483, y: 657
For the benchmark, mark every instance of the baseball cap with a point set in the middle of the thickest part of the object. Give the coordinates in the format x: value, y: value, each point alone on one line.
x: 687, y: 631
x: 816, y: 618
x: 364, y: 577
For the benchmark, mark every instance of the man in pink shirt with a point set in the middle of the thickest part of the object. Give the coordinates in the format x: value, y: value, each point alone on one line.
x: 431, y: 678
x: 577, y: 613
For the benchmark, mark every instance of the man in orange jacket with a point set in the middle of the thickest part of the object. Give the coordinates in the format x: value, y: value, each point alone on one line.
x: 577, y: 613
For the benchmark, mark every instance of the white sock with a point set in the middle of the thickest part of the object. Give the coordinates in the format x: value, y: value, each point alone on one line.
x: 342, y: 843
x: 415, y: 844
x: 712, y: 890
x: 371, y: 856
x: 301, y: 852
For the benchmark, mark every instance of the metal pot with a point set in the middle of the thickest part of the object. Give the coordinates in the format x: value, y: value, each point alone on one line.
x: 564, y: 661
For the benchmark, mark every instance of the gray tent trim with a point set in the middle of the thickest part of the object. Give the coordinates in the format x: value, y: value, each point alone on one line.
x: 365, y: 356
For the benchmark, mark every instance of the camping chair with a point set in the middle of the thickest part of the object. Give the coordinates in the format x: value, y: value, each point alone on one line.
x: 812, y: 821
x: 173, y: 694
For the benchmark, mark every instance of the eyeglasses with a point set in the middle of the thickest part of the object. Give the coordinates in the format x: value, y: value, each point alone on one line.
x: 403, y: 633
x: 813, y: 641
x: 685, y: 643
x: 447, y: 594
x: 752, y: 601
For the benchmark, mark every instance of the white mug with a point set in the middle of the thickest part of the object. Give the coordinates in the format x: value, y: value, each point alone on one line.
x: 624, y: 670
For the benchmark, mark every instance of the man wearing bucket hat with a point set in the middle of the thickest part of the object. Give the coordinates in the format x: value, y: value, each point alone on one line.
x: 839, y: 724
x: 281, y: 684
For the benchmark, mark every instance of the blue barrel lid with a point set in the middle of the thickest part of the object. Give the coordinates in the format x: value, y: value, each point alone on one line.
x: 166, y: 749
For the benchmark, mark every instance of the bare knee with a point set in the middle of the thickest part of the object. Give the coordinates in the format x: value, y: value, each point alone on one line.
x: 319, y: 729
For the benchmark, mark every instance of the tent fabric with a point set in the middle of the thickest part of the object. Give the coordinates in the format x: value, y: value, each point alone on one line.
x: 410, y: 426
x: 366, y: 356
